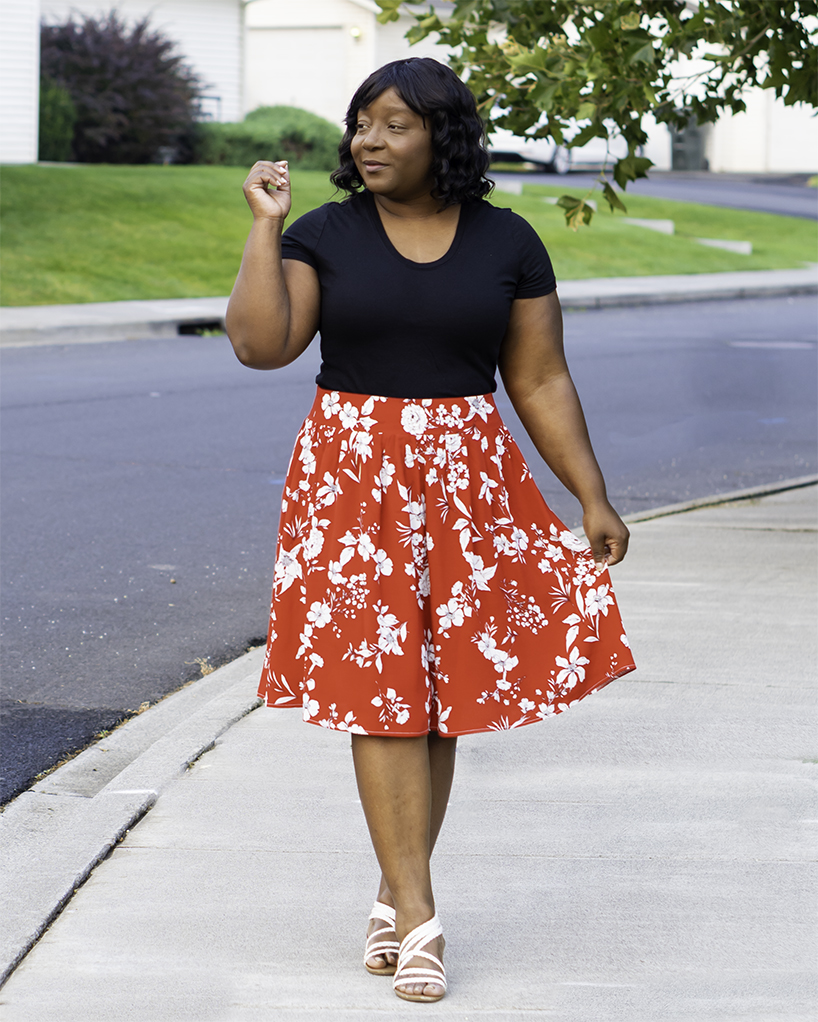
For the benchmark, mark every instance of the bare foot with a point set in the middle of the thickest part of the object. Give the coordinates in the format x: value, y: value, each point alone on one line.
x: 415, y: 986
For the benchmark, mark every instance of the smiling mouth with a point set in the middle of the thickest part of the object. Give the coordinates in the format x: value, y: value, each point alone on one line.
x: 373, y: 164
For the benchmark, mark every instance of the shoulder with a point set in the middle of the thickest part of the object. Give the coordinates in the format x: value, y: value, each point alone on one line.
x: 507, y: 226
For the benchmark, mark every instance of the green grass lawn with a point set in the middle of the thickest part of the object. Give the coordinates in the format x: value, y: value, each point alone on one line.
x: 98, y: 233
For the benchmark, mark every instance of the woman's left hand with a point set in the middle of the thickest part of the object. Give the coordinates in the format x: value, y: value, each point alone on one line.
x: 607, y: 534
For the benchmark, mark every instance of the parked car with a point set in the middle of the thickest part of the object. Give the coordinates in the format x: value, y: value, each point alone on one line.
x: 545, y: 154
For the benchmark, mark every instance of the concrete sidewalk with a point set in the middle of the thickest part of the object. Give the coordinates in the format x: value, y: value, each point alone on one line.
x: 122, y: 321
x: 648, y: 856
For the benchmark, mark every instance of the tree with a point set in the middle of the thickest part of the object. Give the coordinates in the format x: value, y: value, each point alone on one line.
x: 132, y: 94
x: 574, y: 70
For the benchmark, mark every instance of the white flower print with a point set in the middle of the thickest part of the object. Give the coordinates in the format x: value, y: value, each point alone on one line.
x: 572, y: 542
x: 597, y: 601
x: 331, y: 404
x: 287, y: 569
x: 480, y: 574
x: 487, y: 487
x: 526, y: 705
x: 383, y: 564
x: 478, y: 406
x: 519, y: 540
x: 392, y: 707
x: 313, y: 544
x: 414, y: 420
x: 573, y: 669
x: 311, y: 707
x: 329, y: 492
x: 451, y: 614
x: 348, y: 415
x: 362, y: 444
x: 319, y: 614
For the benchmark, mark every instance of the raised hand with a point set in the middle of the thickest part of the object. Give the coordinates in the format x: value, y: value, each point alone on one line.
x: 267, y: 190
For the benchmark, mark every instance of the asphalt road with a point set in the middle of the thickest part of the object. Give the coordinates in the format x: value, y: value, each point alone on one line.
x: 141, y: 483
x: 774, y: 193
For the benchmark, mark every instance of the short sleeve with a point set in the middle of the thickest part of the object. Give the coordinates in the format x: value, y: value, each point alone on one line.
x: 300, y: 240
x: 536, y: 274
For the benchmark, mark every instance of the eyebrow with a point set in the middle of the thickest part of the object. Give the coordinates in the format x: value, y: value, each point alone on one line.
x: 392, y: 111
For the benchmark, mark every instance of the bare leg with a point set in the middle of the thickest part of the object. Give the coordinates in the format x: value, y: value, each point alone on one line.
x: 404, y: 785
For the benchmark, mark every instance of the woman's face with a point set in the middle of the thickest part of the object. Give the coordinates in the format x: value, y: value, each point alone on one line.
x: 392, y: 149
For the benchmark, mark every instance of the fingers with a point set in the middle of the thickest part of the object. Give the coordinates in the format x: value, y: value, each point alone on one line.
x: 267, y: 190
x: 264, y: 173
x: 608, y: 537
x: 614, y: 551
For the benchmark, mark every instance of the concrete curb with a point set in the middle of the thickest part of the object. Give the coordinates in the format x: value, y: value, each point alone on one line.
x: 55, y: 833
x: 98, y: 322
x: 613, y: 292
x: 722, y: 498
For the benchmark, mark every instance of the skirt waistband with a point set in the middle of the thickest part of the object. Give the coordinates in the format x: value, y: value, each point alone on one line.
x: 415, y: 416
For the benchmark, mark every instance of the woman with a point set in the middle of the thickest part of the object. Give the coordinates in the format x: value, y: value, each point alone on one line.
x: 423, y: 589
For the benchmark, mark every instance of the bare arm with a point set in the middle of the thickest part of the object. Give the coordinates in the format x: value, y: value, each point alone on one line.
x: 537, y: 380
x: 273, y: 310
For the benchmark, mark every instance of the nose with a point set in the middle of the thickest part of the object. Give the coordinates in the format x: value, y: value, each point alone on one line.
x: 372, y: 139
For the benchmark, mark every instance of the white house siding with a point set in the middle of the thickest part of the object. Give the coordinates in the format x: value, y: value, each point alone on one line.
x: 19, y: 80
x: 208, y: 33
x: 768, y: 137
x: 315, y: 54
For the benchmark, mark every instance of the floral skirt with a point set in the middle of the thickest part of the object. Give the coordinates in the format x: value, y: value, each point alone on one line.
x: 421, y: 581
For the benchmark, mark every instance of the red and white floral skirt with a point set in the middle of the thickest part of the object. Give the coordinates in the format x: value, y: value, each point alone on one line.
x: 421, y: 581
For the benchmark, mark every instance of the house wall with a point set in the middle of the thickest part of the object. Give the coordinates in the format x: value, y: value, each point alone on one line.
x: 314, y: 55
x: 19, y: 80
x: 768, y: 137
x: 208, y: 33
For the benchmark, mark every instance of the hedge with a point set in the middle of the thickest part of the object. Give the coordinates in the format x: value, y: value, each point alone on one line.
x: 306, y: 140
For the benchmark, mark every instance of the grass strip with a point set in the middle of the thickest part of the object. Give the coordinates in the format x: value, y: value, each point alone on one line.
x: 95, y: 233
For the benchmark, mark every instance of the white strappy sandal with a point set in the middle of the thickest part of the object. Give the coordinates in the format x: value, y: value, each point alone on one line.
x: 376, y: 945
x: 410, y: 947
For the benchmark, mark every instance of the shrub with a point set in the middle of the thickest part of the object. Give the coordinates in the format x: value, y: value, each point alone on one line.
x: 58, y: 116
x: 271, y: 133
x: 133, y: 95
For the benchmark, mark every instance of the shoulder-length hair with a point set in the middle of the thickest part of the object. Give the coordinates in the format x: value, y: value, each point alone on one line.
x: 459, y: 156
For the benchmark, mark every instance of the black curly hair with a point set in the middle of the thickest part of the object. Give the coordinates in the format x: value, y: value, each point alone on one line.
x: 432, y: 90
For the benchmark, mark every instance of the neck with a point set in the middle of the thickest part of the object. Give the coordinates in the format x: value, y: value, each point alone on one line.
x: 411, y: 209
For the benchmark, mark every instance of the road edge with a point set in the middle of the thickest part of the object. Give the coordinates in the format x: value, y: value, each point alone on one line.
x: 57, y: 832
x: 764, y: 490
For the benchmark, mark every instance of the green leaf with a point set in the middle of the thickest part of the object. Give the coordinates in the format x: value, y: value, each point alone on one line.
x: 389, y: 10
x: 577, y: 211
x: 644, y: 55
x: 613, y: 199
x: 630, y: 168
x: 629, y: 22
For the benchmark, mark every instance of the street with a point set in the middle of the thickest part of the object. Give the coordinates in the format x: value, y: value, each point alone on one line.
x: 770, y: 193
x: 142, y: 480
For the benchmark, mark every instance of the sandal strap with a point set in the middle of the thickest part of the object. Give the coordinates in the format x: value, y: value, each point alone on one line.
x: 411, y: 947
x: 385, y: 912
x: 424, y: 976
x: 379, y: 948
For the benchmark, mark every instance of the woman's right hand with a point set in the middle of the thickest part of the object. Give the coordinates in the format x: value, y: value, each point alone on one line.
x: 267, y: 190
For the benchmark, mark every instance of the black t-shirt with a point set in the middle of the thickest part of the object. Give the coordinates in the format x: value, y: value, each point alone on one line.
x: 397, y: 328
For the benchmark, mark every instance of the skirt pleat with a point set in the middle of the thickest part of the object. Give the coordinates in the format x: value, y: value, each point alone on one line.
x: 421, y: 581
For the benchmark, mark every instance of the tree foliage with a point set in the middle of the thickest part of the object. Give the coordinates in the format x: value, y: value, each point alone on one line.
x: 133, y: 95
x: 574, y: 70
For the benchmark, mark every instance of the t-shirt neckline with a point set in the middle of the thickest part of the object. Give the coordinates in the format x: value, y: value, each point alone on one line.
x: 379, y: 227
